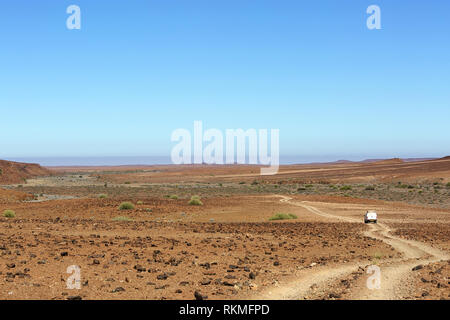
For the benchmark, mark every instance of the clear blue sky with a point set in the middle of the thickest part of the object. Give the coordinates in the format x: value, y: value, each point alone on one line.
x: 137, y: 70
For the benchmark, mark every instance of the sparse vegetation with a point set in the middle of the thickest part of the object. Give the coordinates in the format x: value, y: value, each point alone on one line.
x: 195, y: 201
x: 139, y: 202
x: 126, y: 206
x: 345, y: 188
x: 103, y: 196
x: 173, y: 197
x: 283, y: 216
x: 9, y: 214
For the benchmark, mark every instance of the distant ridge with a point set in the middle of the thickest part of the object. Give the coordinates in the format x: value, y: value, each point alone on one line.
x: 17, y: 172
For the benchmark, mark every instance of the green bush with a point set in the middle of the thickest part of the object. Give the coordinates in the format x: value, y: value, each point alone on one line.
x: 122, y: 218
x: 283, y: 216
x: 344, y: 188
x: 103, y: 196
x: 126, y: 206
x: 139, y: 202
x: 448, y: 185
x: 9, y: 214
x: 173, y: 197
x: 195, y: 201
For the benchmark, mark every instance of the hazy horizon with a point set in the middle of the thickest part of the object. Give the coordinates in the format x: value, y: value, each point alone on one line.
x: 162, y: 160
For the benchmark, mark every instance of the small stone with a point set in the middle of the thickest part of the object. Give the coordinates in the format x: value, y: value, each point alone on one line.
x: 199, y: 296
x: 417, y: 267
x: 162, y: 276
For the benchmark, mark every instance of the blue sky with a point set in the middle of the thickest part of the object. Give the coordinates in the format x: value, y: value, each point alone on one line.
x: 137, y: 70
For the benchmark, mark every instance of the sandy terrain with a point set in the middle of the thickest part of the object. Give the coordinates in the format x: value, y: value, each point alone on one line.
x: 227, y: 248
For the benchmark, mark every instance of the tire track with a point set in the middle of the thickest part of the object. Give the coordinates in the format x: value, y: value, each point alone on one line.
x: 394, y: 272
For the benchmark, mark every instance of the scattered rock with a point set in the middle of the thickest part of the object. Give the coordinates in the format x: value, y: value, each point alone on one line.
x: 199, y: 296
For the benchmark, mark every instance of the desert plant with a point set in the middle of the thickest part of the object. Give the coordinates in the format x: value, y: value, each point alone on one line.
x: 173, y: 197
x: 283, y: 216
x: 103, y: 196
x: 139, y: 202
x: 9, y: 214
x: 448, y: 184
x: 195, y: 201
x: 122, y: 218
x: 344, y: 188
x: 126, y: 206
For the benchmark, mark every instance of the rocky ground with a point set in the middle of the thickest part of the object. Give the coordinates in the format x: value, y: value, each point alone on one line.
x: 227, y: 247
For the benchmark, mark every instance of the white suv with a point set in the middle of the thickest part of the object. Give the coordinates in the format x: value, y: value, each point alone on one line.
x: 370, y: 216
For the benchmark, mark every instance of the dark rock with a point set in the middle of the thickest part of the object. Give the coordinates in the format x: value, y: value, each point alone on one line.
x: 162, y: 276
x: 199, y: 296
x: 334, y: 296
x: 417, y: 267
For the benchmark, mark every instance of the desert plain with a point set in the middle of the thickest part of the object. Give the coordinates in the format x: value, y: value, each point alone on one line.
x: 298, y: 234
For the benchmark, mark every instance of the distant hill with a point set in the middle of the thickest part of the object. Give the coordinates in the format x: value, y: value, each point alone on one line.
x: 17, y: 172
x: 388, y: 161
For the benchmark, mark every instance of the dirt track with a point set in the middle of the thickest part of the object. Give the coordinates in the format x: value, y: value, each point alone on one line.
x: 393, y: 272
